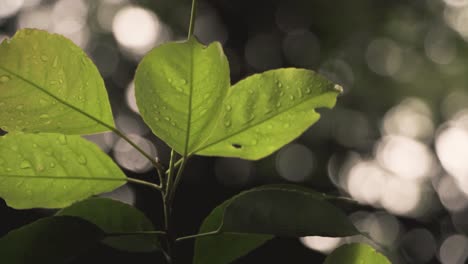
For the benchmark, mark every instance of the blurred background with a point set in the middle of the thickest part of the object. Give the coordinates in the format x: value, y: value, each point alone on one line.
x: 397, y: 141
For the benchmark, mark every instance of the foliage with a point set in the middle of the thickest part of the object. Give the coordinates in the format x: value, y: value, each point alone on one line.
x: 52, y: 94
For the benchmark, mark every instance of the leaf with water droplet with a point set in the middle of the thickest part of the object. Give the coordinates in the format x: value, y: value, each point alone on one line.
x: 35, y: 170
x: 289, y: 113
x: 198, y: 76
x: 30, y: 83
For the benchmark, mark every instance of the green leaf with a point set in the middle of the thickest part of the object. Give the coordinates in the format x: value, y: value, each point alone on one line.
x: 251, y: 218
x: 179, y: 89
x: 53, y: 171
x: 116, y: 217
x: 48, y: 84
x: 266, y: 111
x: 356, y: 254
x: 53, y: 240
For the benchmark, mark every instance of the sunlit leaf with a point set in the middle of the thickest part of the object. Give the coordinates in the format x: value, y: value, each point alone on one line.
x: 356, y: 254
x: 266, y: 111
x: 53, y: 240
x: 48, y: 84
x: 179, y: 88
x: 249, y: 219
x: 116, y: 217
x: 53, y: 171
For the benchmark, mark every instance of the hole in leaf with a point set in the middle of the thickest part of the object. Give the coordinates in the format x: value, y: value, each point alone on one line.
x: 237, y: 146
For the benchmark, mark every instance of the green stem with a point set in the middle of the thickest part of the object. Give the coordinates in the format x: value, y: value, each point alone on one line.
x: 212, y: 233
x: 193, y: 13
x: 172, y: 190
x: 145, y: 183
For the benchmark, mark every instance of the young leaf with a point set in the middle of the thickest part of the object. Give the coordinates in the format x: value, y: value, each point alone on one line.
x: 356, y: 254
x: 53, y: 171
x: 116, y: 217
x: 48, y: 84
x: 249, y: 219
x: 179, y: 88
x: 266, y: 111
x: 53, y: 240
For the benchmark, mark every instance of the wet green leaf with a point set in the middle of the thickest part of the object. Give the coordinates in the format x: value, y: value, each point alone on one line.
x: 53, y: 171
x: 48, y: 84
x: 179, y: 89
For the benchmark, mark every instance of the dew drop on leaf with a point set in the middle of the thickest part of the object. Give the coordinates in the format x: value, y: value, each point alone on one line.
x: 62, y: 139
x: 4, y: 78
x: 291, y: 97
x: 19, y: 107
x: 167, y: 118
x: 25, y: 164
x: 52, y: 165
x: 278, y: 104
x: 227, y: 123
x: 307, y: 90
x: 228, y: 108
x: 44, y: 58
x: 44, y: 116
x: 82, y: 160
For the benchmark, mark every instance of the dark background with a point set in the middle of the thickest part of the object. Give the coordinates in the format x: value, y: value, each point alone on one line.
x: 396, y: 141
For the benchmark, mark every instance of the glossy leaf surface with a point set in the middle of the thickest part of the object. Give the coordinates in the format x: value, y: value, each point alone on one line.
x: 266, y: 111
x: 116, y: 217
x: 48, y: 84
x: 179, y: 88
x: 249, y: 219
x: 53, y: 171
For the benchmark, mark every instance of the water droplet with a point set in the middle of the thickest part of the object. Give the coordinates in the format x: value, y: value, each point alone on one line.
x: 62, y: 139
x: 281, y: 93
x: 227, y: 123
x: 278, y: 104
x: 291, y: 97
x: 156, y: 118
x: 82, y: 160
x: 14, y: 148
x: 254, y: 142
x: 42, y: 101
x: 307, y: 90
x: 19, y: 107
x: 269, y: 126
x: 173, y: 123
x: 44, y: 58
x: 9, y: 169
x: 44, y: 116
x: 169, y: 80
x: 251, y: 91
x: 228, y: 108
x: 52, y: 165
x: 4, y: 78
x: 280, y: 85
x: 338, y: 88
x: 167, y: 118
x: 34, y: 145
x: 25, y: 164
x: 40, y: 167
x: 60, y: 81
x: 184, y: 81
x: 54, y: 64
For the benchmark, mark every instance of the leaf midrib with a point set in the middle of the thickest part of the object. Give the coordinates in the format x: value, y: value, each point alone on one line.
x: 40, y: 88
x: 256, y: 124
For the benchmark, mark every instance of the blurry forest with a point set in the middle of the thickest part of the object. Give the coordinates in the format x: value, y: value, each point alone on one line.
x: 397, y: 140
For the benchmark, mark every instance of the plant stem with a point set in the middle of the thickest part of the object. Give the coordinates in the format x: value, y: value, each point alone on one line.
x: 212, y: 233
x: 193, y: 13
x: 145, y: 183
